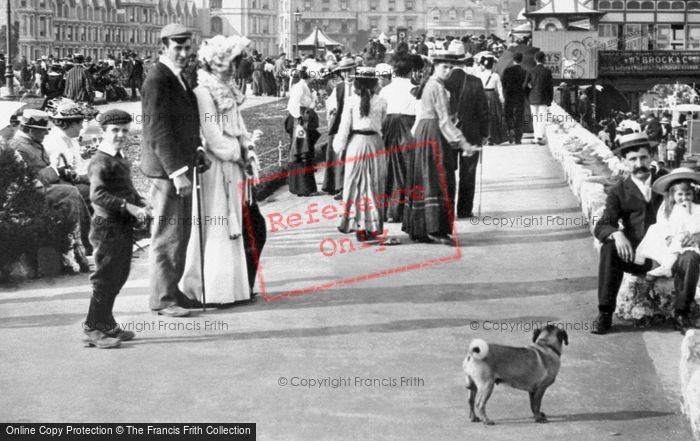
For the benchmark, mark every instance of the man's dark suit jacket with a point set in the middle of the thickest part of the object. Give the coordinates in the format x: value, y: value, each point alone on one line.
x: 170, y: 124
x: 472, y: 109
x: 540, y: 86
x: 513, y: 79
x: 626, y: 203
x: 340, y: 100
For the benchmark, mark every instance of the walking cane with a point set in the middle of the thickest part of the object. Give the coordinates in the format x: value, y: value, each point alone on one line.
x: 200, y: 203
x: 480, y: 164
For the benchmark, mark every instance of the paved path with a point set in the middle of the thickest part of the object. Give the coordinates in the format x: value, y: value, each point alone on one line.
x: 415, y: 323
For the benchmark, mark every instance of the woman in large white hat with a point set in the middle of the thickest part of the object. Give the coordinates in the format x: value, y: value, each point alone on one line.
x: 227, y: 143
x: 431, y: 218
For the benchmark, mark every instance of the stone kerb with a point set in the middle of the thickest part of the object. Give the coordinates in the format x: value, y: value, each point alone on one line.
x: 690, y: 380
x: 568, y: 141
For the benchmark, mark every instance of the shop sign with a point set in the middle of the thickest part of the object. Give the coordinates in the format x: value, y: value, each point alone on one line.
x: 648, y: 62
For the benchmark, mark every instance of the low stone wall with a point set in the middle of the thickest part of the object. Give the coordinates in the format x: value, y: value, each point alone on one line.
x: 690, y: 379
x: 567, y: 140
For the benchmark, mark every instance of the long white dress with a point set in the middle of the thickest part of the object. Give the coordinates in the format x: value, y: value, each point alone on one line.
x: 224, y: 135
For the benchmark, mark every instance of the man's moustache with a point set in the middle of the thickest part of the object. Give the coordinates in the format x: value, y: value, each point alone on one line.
x: 640, y: 169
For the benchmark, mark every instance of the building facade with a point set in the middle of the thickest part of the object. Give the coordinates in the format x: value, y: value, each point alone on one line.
x: 97, y: 28
x: 256, y: 19
x: 446, y: 17
x: 629, y: 45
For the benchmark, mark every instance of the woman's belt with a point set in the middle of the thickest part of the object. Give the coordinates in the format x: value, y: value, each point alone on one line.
x: 363, y: 132
x: 489, y: 90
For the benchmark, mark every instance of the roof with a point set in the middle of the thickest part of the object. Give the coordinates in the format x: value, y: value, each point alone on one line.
x: 318, y: 38
x: 564, y: 7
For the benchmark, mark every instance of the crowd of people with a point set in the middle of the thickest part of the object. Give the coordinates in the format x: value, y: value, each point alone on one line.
x: 411, y: 121
x: 79, y: 78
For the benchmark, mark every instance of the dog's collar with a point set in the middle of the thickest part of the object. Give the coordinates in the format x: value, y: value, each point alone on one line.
x: 555, y: 350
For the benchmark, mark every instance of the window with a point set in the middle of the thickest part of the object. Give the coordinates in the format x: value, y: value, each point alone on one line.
x: 664, y: 5
x: 435, y: 14
x: 409, y: 5
x: 607, y: 30
x: 343, y: 5
x: 410, y: 23
x: 663, y: 36
x: 23, y: 3
x: 633, y: 4
x: 648, y: 5
x: 265, y: 5
x: 307, y: 5
x: 693, y: 36
x: 373, y: 23
x: 694, y: 6
x: 57, y: 32
x: 468, y: 14
x: 677, y: 37
x: 42, y: 26
x: 373, y: 5
x: 217, y: 26
x: 216, y: 4
x: 678, y: 6
x: 453, y: 14
x: 610, y: 5
x: 344, y: 27
x: 392, y: 5
x: 392, y: 24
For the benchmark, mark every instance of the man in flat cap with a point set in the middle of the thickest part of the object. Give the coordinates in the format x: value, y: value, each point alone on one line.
x: 169, y: 156
x: 633, y: 203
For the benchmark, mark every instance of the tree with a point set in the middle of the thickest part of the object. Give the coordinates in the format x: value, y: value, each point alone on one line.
x: 14, y: 43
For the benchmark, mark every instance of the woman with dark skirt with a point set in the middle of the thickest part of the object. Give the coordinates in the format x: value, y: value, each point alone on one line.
x: 498, y: 129
x: 430, y: 218
x: 301, y: 125
x: 359, y: 135
x: 258, y: 68
x: 401, y: 115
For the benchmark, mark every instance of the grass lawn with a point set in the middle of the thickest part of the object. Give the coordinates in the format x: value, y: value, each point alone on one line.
x: 267, y: 117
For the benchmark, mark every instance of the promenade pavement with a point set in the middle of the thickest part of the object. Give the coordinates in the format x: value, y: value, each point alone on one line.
x: 392, y: 342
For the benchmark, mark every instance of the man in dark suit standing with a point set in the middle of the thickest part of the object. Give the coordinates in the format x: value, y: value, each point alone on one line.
x: 468, y: 101
x: 170, y: 152
x: 632, y: 202
x: 513, y: 79
x: 538, y: 84
x: 334, y: 175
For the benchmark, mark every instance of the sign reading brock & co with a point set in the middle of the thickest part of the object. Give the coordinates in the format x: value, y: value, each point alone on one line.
x: 648, y: 62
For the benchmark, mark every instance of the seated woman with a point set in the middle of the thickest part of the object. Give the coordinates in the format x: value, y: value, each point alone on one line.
x: 63, y: 147
x: 34, y: 125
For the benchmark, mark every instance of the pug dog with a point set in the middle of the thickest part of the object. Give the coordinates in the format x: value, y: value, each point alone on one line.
x: 533, y: 368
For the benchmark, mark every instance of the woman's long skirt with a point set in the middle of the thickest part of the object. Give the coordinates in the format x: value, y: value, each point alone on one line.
x: 365, y: 174
x: 498, y: 129
x: 432, y: 213
x: 398, y: 140
x: 302, y: 181
x: 333, y: 174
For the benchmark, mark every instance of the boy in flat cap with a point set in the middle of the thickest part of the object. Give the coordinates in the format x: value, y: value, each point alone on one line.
x: 169, y: 155
x: 118, y: 207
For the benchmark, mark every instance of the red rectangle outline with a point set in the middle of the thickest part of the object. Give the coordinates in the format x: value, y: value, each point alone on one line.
x: 370, y: 276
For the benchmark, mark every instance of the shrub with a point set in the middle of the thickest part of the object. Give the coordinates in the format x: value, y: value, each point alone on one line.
x: 27, y: 221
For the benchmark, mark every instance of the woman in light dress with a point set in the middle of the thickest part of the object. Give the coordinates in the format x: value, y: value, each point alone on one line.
x: 226, y: 141
x: 360, y: 135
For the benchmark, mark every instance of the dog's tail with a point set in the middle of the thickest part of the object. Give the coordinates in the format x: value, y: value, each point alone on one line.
x: 478, y: 349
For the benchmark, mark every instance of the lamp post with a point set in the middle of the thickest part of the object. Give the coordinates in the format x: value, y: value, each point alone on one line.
x: 297, y: 19
x: 9, y: 75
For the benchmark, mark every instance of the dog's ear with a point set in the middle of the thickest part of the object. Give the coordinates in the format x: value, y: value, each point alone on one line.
x: 563, y: 337
x: 535, y: 334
